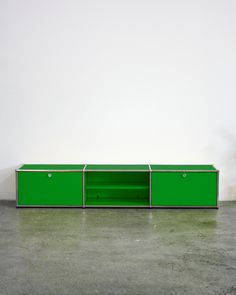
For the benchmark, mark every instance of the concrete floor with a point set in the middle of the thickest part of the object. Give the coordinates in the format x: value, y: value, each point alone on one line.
x: 117, y: 251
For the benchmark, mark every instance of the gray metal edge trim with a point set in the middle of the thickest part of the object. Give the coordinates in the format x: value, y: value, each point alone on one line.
x: 218, y: 183
x: 46, y: 170
x: 117, y: 170
x: 83, y: 197
x: 185, y: 171
x: 16, y: 187
x: 192, y: 207
x: 48, y: 206
x: 107, y: 206
x: 150, y: 186
x: 74, y: 170
x: 173, y: 164
x: 110, y: 206
x: 18, y: 167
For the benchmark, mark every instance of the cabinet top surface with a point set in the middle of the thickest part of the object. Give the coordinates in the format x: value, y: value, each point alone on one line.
x: 107, y: 167
x: 116, y: 167
x: 183, y: 167
x: 52, y: 167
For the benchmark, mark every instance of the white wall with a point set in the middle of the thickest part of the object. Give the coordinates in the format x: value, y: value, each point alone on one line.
x: 104, y: 81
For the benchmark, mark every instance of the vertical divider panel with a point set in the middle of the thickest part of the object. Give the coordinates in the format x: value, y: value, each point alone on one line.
x: 16, y: 180
x: 217, y: 189
x: 150, y: 186
x: 83, y: 194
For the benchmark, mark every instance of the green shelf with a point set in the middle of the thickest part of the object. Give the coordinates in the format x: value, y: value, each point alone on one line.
x: 122, y: 202
x: 117, y: 187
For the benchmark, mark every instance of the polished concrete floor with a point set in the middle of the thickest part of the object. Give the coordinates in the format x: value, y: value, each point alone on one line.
x: 117, y: 251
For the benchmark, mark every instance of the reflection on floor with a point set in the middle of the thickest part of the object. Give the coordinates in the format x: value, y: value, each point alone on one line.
x: 117, y: 251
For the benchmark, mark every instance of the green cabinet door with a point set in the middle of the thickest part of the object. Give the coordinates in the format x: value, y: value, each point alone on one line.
x: 184, y: 189
x: 50, y: 188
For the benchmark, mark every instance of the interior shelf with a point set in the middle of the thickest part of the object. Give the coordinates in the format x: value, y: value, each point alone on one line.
x: 116, y: 187
x: 114, y: 200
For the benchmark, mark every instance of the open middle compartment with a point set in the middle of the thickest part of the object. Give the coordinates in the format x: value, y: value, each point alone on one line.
x: 117, y: 188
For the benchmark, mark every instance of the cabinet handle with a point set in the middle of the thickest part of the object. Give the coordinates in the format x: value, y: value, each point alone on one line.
x: 49, y: 175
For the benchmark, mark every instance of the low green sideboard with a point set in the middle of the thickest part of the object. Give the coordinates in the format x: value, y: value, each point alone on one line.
x: 150, y: 186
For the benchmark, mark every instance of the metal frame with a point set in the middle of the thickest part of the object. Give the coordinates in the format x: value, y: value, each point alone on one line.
x: 217, y: 188
x: 186, y: 171
x: 16, y: 184
x: 150, y: 186
x: 49, y: 206
x: 116, y: 170
x: 185, y: 207
x: 44, y: 170
x: 120, y: 207
x: 83, y: 193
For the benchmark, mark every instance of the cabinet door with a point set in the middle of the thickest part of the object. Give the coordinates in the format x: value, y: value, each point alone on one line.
x: 184, y: 188
x: 50, y: 188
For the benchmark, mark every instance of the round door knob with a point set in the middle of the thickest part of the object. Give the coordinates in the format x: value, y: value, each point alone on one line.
x: 49, y: 175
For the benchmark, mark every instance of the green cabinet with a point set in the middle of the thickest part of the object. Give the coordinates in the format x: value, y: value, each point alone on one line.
x: 117, y: 186
x: 49, y: 186
x: 184, y: 186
